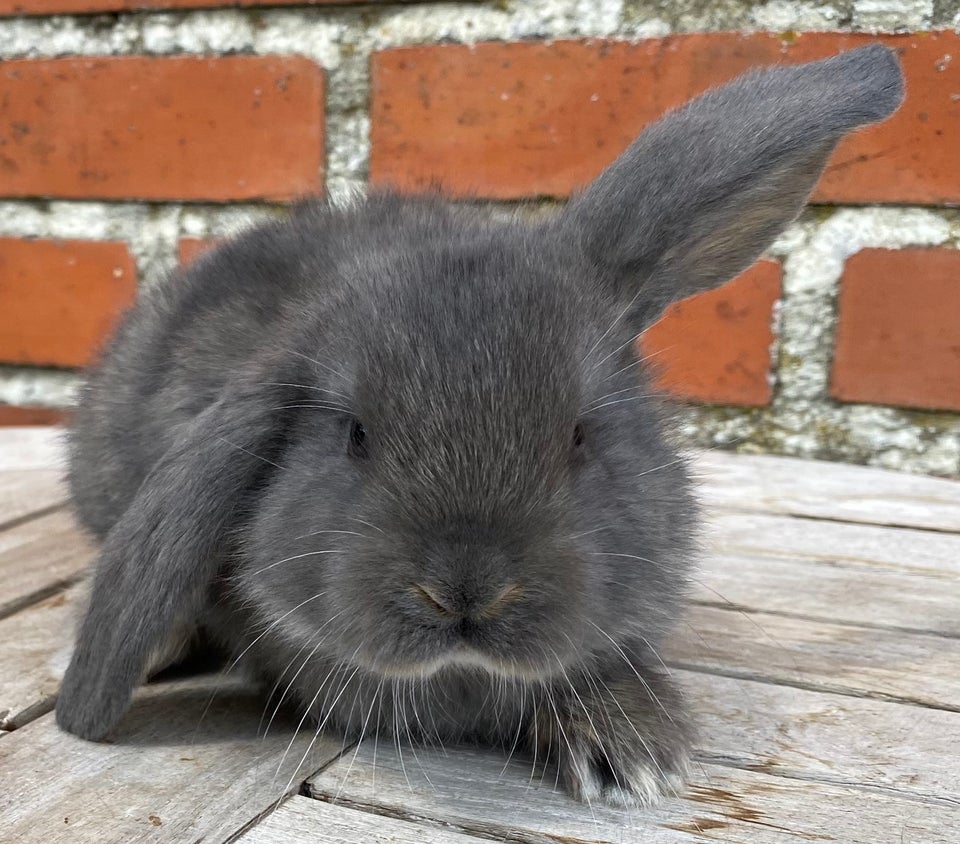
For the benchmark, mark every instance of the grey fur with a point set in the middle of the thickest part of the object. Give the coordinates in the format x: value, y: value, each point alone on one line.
x: 501, y: 556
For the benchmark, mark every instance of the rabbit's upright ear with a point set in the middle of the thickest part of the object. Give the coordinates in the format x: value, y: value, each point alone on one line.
x: 159, y: 559
x: 701, y: 193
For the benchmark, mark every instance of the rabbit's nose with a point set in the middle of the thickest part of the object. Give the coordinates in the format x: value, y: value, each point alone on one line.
x: 455, y: 605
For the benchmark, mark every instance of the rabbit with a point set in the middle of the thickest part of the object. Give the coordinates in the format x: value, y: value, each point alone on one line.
x: 403, y: 459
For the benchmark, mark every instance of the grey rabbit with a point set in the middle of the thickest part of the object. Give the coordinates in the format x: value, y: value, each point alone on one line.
x: 404, y: 459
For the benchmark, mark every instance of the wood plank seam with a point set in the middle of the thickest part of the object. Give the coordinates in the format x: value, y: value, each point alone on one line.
x: 26, y: 716
x: 740, y: 674
x: 786, y: 511
x: 33, y: 515
x: 35, y: 597
x: 302, y: 789
x: 493, y: 831
x: 730, y: 606
x: 786, y: 773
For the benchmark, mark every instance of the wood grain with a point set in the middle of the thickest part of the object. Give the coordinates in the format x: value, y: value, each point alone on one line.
x: 306, y: 821
x: 32, y: 471
x: 838, y: 739
x: 770, y: 535
x: 871, y: 662
x: 889, y: 577
x: 174, y: 771
x: 40, y: 556
x: 28, y: 448
x: 28, y: 492
x: 35, y: 653
x: 823, y: 490
x: 472, y: 791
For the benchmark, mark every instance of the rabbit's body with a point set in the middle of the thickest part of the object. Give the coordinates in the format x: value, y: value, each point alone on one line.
x: 402, y: 461
x: 489, y: 358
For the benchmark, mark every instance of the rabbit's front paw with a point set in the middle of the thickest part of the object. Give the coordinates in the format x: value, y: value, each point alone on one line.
x: 625, y: 742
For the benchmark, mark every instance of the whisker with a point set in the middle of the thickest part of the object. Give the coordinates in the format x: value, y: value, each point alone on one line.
x: 356, y: 750
x: 664, y: 466
x: 319, y: 729
x: 276, y: 686
x: 643, y: 741
x: 319, y: 532
x: 306, y: 387
x: 610, y: 328
x: 320, y: 641
x: 247, y: 451
x: 611, y: 395
x: 318, y: 363
x: 334, y: 408
x: 294, y: 557
x: 336, y: 669
x: 590, y: 721
x: 638, y: 360
x: 368, y: 524
x: 516, y: 737
x: 633, y: 668
x: 619, y: 401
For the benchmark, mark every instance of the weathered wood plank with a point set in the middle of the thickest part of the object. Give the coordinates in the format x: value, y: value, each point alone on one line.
x: 768, y: 535
x: 825, y: 737
x: 301, y: 819
x: 760, y: 726
x: 31, y: 472
x: 36, y: 644
x: 39, y: 556
x: 31, y: 448
x: 175, y: 771
x: 872, y: 662
x: 25, y: 492
x: 472, y: 791
x: 820, y: 489
x: 891, y: 577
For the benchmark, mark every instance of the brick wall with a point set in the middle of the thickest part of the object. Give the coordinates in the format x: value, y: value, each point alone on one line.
x: 133, y: 133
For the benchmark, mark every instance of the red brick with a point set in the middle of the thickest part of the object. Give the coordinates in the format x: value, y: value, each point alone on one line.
x: 898, y: 331
x: 60, y: 299
x: 52, y: 7
x: 522, y: 119
x: 14, y: 415
x: 715, y: 346
x: 238, y: 127
x: 189, y: 248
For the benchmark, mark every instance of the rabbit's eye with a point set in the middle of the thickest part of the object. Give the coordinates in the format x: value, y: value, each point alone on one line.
x: 357, y: 438
x: 577, y: 435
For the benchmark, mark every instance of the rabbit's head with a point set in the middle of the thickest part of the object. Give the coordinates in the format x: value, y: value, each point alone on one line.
x: 481, y: 478
x: 458, y: 460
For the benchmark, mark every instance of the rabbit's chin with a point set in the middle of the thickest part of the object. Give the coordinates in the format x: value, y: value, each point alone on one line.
x: 463, y: 657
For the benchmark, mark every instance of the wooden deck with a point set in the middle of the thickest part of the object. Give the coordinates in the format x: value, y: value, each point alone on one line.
x: 821, y: 654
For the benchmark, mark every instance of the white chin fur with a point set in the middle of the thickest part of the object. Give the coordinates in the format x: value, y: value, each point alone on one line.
x: 465, y: 657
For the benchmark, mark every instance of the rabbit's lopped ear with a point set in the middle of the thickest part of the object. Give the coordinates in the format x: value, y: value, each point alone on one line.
x: 158, y: 560
x: 700, y: 194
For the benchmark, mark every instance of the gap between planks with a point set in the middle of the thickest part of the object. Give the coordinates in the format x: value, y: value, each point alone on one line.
x: 808, y: 686
x: 39, y: 557
x: 33, y: 514
x: 889, y: 522
x: 731, y: 606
